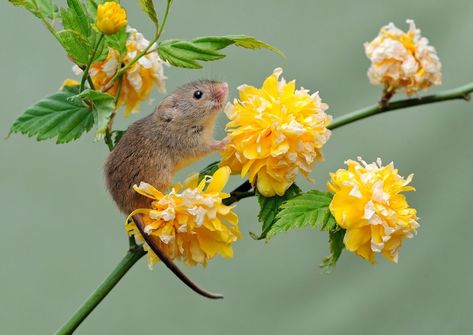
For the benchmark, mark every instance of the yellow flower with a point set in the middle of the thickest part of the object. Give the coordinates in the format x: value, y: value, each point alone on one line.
x: 274, y: 132
x: 190, y: 223
x: 111, y: 17
x: 138, y: 80
x: 69, y: 83
x: 403, y: 61
x: 368, y: 203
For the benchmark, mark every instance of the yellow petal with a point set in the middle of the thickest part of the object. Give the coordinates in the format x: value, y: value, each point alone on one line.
x: 219, y: 179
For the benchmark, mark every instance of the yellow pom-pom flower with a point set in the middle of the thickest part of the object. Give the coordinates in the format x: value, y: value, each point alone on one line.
x: 138, y: 80
x: 368, y: 203
x: 111, y: 17
x: 274, y: 132
x: 403, y: 61
x: 190, y: 223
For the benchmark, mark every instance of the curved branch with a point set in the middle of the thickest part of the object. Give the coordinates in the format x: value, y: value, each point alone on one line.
x: 459, y: 93
x: 170, y: 264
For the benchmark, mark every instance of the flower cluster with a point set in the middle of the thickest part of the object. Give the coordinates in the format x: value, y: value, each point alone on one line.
x: 403, y: 60
x: 111, y: 17
x: 368, y: 203
x: 274, y: 132
x: 139, y: 78
x: 190, y: 223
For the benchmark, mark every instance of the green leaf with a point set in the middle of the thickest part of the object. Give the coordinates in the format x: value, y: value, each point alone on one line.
x: 90, y: 7
x: 59, y: 115
x: 76, y: 18
x: 148, y: 7
x: 116, y: 41
x: 103, y: 105
x: 269, y: 208
x: 117, y: 136
x: 75, y: 45
x: 46, y: 8
x: 209, y: 170
x: 336, y: 245
x: 244, y: 41
x: 308, y: 209
x: 187, y: 54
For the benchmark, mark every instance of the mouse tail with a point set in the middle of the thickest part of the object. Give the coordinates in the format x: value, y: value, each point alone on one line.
x: 170, y: 264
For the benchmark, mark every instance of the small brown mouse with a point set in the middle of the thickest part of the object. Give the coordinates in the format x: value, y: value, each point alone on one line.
x: 177, y: 133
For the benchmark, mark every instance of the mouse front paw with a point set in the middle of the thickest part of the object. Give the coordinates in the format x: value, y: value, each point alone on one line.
x: 220, y: 145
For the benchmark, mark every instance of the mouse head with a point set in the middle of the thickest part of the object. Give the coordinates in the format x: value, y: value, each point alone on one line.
x: 194, y: 103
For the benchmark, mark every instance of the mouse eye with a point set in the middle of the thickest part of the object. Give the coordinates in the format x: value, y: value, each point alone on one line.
x: 198, y: 94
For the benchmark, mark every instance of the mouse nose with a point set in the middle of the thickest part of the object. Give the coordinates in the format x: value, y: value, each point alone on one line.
x: 221, y: 91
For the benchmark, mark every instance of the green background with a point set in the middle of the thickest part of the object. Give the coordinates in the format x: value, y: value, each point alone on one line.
x: 61, y: 234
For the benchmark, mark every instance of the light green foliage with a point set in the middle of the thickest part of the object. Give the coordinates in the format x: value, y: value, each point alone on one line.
x: 148, y: 7
x: 77, y: 38
x: 308, y: 209
x: 60, y: 115
x: 209, y: 170
x: 336, y: 245
x: 269, y: 208
x: 75, y: 45
x: 116, y: 41
x: 311, y: 209
x: 45, y: 8
x: 186, y: 54
x: 103, y: 106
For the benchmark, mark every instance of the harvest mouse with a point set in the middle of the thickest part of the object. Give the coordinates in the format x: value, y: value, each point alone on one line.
x: 177, y: 133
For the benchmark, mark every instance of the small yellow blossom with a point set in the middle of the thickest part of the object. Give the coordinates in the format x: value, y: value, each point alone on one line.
x: 69, y: 83
x: 274, y: 132
x: 403, y: 61
x: 111, y: 17
x: 138, y: 80
x: 190, y: 223
x: 368, y: 203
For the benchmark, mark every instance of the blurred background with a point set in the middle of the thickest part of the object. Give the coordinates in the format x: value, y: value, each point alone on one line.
x: 61, y: 233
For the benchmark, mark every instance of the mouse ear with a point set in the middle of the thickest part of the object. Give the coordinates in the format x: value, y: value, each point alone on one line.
x: 166, y: 114
x: 166, y: 110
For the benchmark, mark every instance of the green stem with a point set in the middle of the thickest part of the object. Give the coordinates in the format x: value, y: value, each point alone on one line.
x: 108, y: 134
x: 46, y: 22
x: 131, y: 257
x: 85, y: 75
x: 462, y: 93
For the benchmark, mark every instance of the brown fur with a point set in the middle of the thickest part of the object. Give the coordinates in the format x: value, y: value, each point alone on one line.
x: 155, y: 147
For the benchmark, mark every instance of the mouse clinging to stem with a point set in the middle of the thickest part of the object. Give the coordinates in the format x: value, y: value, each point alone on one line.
x: 176, y: 134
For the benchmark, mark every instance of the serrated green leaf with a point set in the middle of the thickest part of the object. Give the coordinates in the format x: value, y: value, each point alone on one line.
x: 117, y: 136
x: 308, y: 209
x: 116, y: 41
x: 90, y: 7
x: 46, y: 8
x: 336, y: 246
x: 75, y: 45
x: 55, y: 116
x: 209, y: 170
x: 103, y: 105
x: 148, y: 8
x: 270, y: 206
x: 186, y: 54
x: 76, y: 18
